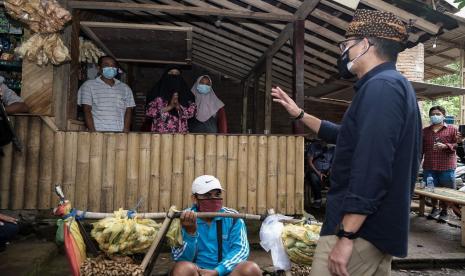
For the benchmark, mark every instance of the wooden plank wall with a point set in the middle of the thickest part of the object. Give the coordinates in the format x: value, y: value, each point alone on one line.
x: 106, y: 171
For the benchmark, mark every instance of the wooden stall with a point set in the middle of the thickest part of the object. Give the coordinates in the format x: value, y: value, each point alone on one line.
x: 106, y: 171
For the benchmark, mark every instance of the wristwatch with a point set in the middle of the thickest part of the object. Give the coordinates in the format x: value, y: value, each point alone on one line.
x: 341, y: 233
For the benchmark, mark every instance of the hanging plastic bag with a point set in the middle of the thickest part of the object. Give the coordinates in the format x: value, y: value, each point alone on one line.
x: 270, y: 240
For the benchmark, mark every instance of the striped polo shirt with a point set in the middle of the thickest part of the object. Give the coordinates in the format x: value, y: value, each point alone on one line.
x: 108, y: 103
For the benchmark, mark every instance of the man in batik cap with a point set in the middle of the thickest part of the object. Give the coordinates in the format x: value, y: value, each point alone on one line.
x: 377, y: 153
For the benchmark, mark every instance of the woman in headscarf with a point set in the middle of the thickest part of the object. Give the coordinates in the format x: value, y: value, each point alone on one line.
x: 170, y: 104
x: 211, y: 116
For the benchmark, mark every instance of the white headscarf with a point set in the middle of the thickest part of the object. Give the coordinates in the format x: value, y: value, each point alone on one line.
x: 207, y: 104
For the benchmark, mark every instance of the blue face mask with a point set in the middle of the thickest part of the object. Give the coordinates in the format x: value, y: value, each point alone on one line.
x: 109, y: 72
x: 203, y: 88
x: 436, y: 119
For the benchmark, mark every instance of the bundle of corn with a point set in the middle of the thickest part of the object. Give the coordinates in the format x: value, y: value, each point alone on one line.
x: 300, y: 241
x: 42, y: 16
x: 43, y: 49
x: 101, y: 266
x: 124, y: 235
x: 88, y: 52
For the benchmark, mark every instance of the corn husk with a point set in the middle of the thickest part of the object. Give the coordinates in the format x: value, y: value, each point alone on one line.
x: 88, y: 52
x: 300, y: 240
x: 44, y: 49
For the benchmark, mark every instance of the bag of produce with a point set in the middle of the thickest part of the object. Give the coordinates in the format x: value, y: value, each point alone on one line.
x: 300, y: 241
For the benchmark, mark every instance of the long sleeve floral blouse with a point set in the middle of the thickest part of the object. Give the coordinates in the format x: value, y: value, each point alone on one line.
x: 165, y: 122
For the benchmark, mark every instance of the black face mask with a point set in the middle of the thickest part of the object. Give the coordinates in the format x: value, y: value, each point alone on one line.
x: 342, y: 63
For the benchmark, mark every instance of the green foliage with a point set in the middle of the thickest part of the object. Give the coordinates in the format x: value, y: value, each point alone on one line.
x: 451, y: 104
x: 461, y: 3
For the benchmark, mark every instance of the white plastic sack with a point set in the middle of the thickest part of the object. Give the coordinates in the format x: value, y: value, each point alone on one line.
x: 270, y: 239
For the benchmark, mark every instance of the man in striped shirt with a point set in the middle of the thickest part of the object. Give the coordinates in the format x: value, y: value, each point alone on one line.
x: 216, y: 246
x: 106, y: 101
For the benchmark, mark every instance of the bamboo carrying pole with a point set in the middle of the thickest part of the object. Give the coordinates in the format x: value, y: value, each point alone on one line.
x: 58, y: 165
x: 45, y: 167
x: 144, y: 171
x: 97, y: 147
x: 242, y: 175
x: 178, y: 165
x: 166, y: 166
x: 82, y: 171
x: 155, y: 159
x: 262, y: 175
x: 282, y: 177
x: 120, y: 170
x: 290, y: 179
x: 199, y: 155
x: 32, y: 164
x: 210, y: 155
x: 272, y: 173
x: 221, y: 163
x: 232, y: 171
x: 108, y: 180
x: 299, y: 174
x: 5, y: 175
x: 189, y: 170
x: 18, y: 172
x: 252, y: 175
x: 69, y: 160
x: 132, y: 170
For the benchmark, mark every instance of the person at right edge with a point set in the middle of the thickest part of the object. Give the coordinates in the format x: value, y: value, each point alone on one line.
x: 378, y: 150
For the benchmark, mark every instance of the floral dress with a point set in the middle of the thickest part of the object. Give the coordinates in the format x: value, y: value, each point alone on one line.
x: 165, y: 122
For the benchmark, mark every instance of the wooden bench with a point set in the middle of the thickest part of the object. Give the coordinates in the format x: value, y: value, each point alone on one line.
x: 446, y: 195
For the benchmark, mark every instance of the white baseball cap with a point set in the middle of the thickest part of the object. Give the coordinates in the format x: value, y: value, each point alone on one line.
x: 204, y: 184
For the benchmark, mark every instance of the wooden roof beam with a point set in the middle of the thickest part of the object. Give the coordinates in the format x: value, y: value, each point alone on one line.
x: 86, y: 5
x: 440, y: 68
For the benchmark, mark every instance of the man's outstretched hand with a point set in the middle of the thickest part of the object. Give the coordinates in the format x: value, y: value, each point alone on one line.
x: 281, y: 97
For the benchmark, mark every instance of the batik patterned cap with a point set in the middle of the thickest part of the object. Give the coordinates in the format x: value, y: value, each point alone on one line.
x: 371, y: 23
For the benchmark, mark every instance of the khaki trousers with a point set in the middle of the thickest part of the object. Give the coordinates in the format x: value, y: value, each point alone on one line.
x: 366, y: 259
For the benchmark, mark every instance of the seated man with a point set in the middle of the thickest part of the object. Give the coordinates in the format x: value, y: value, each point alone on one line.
x: 319, y: 157
x: 12, y: 102
x: 8, y: 229
x: 202, y: 253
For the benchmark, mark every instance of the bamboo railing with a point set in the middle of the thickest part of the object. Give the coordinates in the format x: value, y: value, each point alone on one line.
x: 105, y: 171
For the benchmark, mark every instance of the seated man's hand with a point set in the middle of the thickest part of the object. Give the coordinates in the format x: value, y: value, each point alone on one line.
x: 189, y: 221
x: 207, y: 272
x: 5, y: 218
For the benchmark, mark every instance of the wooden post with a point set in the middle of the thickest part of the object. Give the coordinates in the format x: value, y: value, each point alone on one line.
x: 255, y: 112
x: 108, y: 183
x: 272, y: 173
x: 299, y: 174
x: 82, y: 171
x: 421, y: 209
x: 242, y: 175
x: 144, y: 172
x: 178, y: 169
x: 232, y: 172
x: 74, y: 65
x: 268, y: 100
x: 199, y: 155
x: 221, y: 162
x: 32, y: 164
x: 45, y: 167
x: 298, y: 68
x: 262, y: 186
x: 189, y: 169
x: 58, y: 165
x: 155, y: 173
x: 95, y: 171
x: 120, y: 171
x: 133, y: 170
x: 18, y: 170
x: 252, y: 175
x: 282, y: 175
x: 5, y: 175
x: 290, y: 176
x: 245, y: 95
x: 166, y: 167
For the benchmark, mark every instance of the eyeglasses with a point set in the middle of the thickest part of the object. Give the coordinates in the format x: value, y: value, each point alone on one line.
x: 343, y: 44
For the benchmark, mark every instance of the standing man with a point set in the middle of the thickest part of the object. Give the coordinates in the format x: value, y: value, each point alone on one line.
x: 439, y: 146
x: 107, y: 102
x: 319, y: 158
x: 377, y: 153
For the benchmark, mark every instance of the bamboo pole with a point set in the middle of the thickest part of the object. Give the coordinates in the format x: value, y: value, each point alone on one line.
x: 32, y: 164
x: 290, y: 179
x: 242, y: 175
x: 221, y: 162
x: 210, y: 155
x: 46, y: 167
x: 82, y: 171
x: 178, y: 166
x: 166, y: 166
x: 252, y: 174
x: 272, y: 174
x: 133, y: 170
x: 120, y: 171
x: 58, y: 165
x: 97, y: 147
x: 108, y: 183
x: 144, y: 171
x: 189, y: 169
x: 70, y: 162
x: 262, y: 175
x: 155, y: 159
x: 199, y: 155
x: 282, y: 175
x: 232, y: 171
x: 5, y: 175
x: 299, y: 174
x: 18, y: 173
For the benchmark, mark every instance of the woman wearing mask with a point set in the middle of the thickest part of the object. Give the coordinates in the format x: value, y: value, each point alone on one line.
x: 170, y: 104
x: 211, y: 116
